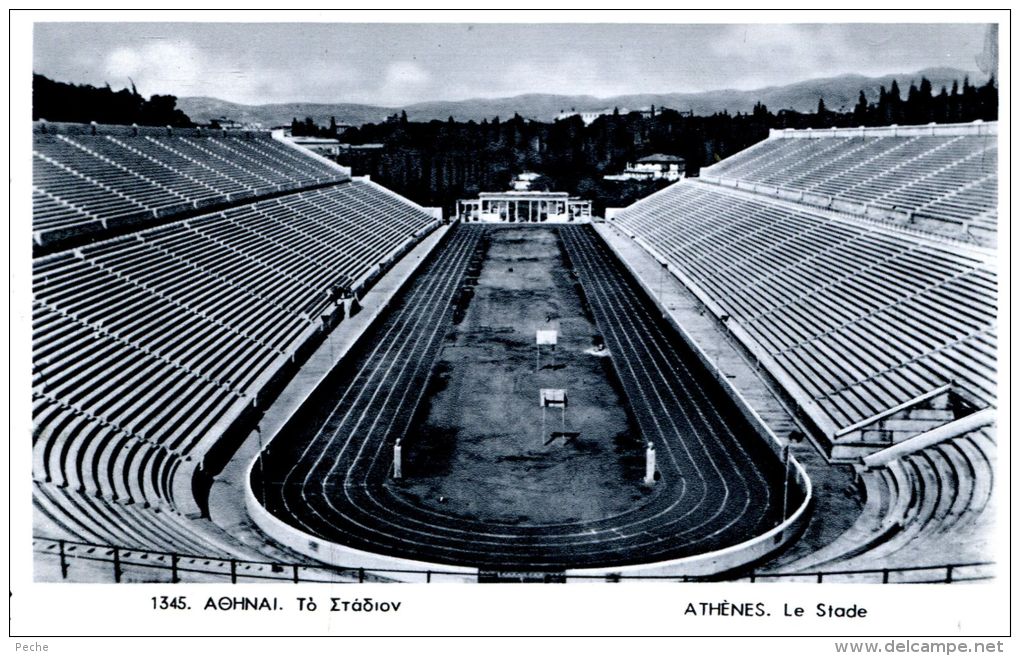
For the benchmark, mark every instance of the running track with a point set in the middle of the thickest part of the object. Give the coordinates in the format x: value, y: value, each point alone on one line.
x: 719, y: 485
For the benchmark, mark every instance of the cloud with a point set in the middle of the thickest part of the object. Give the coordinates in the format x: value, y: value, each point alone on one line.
x: 767, y: 54
x: 407, y: 72
x: 157, y: 67
x: 567, y: 73
x: 403, y: 82
x: 315, y: 81
x: 183, y: 69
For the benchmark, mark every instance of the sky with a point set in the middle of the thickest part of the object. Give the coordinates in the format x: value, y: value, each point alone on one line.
x: 400, y: 64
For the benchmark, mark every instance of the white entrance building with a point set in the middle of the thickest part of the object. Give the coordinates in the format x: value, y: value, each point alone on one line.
x: 524, y: 207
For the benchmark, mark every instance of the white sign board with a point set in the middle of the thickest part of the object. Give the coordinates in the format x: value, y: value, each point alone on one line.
x: 545, y: 337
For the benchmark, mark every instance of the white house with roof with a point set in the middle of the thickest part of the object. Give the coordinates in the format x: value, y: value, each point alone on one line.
x: 653, y: 167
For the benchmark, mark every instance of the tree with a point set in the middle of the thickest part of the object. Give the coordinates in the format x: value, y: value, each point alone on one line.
x: 543, y: 183
x: 60, y: 101
x: 988, y: 101
x: 895, y: 103
x: 162, y: 110
x: 925, y: 110
x: 925, y: 88
x: 861, y: 109
x: 968, y: 101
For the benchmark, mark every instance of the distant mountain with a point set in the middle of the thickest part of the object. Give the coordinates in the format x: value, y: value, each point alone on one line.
x: 539, y: 106
x: 840, y: 94
x: 202, y: 109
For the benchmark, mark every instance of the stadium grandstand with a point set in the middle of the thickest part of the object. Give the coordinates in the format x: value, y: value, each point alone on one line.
x: 941, y: 179
x: 185, y: 279
x: 857, y: 268
x: 90, y: 182
x: 183, y: 275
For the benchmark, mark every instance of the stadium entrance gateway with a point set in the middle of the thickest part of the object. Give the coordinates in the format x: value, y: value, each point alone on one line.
x: 524, y: 207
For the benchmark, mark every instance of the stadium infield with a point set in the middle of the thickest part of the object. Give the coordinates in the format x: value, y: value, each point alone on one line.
x: 451, y: 370
x: 479, y: 450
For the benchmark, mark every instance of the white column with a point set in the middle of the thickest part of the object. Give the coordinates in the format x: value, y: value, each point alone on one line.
x: 650, y: 464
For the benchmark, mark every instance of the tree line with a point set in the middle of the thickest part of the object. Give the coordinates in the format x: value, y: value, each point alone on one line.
x: 308, y: 128
x: 83, y: 103
x: 438, y: 162
x: 922, y: 105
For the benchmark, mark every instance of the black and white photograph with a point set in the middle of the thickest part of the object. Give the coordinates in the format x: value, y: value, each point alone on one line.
x: 652, y: 299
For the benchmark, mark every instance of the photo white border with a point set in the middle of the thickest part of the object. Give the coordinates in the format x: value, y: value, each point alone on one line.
x: 630, y: 609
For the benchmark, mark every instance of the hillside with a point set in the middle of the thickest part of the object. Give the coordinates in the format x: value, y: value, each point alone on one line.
x: 201, y: 109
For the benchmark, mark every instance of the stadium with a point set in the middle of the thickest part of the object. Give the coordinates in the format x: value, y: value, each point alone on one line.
x: 250, y: 365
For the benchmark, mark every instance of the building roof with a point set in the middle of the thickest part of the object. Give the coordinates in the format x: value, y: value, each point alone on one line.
x: 365, y: 146
x: 659, y: 158
x: 503, y: 195
x: 317, y: 141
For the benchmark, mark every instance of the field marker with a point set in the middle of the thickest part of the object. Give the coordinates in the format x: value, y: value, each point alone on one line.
x: 557, y: 398
x: 543, y: 337
x: 650, y: 464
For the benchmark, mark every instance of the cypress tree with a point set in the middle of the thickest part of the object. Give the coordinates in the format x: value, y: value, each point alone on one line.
x: 861, y: 109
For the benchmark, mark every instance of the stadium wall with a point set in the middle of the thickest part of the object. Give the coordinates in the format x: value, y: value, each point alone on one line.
x: 975, y: 128
x: 722, y: 560
x: 339, y: 555
x: 218, y: 448
x: 42, y: 126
